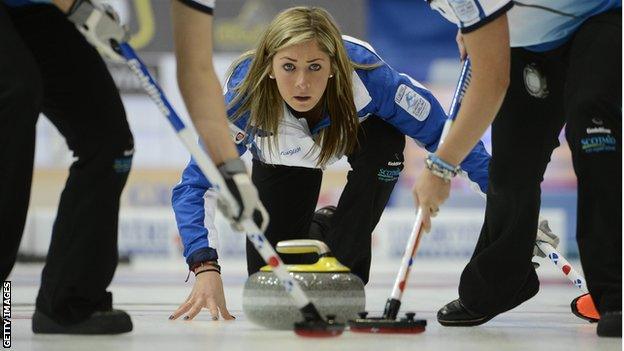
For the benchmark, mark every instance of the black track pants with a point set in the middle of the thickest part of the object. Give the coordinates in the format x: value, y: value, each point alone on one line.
x: 47, y: 66
x: 583, y: 91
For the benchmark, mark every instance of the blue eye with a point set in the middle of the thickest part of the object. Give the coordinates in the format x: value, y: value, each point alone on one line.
x: 288, y: 67
x: 315, y: 67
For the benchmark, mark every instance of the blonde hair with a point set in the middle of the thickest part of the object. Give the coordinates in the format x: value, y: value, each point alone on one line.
x: 258, y: 94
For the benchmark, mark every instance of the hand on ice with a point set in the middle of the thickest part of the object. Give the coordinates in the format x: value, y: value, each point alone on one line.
x: 207, y: 293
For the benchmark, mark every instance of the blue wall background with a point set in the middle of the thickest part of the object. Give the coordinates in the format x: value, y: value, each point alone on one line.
x: 410, y: 35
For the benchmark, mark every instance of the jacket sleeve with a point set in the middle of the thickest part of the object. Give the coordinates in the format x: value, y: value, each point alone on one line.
x: 413, y: 110
x: 190, y: 214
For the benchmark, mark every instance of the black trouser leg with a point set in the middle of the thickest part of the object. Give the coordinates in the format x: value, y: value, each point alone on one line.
x: 289, y: 195
x: 593, y: 103
x: 81, y: 99
x: 20, y: 101
x: 500, y: 275
x: 376, y: 165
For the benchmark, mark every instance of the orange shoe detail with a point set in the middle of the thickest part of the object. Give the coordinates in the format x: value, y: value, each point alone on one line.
x: 584, y: 308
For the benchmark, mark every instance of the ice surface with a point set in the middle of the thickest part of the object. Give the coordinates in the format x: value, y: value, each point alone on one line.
x: 151, y: 291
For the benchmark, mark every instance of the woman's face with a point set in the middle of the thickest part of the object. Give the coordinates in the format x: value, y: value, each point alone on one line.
x: 301, y: 72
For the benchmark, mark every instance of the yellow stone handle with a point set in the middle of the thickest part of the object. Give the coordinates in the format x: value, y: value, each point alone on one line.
x: 302, y: 246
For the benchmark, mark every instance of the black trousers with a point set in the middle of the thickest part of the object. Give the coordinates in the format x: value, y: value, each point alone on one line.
x: 582, y: 90
x: 290, y: 196
x: 47, y: 66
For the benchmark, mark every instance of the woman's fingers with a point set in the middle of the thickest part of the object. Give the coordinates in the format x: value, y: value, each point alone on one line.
x: 222, y: 306
x: 194, y: 310
x: 426, y: 221
x: 181, y: 310
x: 225, y: 313
x: 433, y: 211
x: 214, y: 309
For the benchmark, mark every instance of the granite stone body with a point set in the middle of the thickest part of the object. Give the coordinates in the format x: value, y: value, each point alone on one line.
x: 266, y: 303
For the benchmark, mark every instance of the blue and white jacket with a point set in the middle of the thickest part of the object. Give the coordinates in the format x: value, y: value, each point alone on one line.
x: 536, y: 25
x: 378, y: 93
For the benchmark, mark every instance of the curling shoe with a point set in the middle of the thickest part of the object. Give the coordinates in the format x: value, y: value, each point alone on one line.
x: 454, y: 314
x: 610, y: 324
x: 100, y: 322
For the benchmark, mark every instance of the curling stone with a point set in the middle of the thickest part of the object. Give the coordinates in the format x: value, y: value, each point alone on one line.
x: 328, y: 283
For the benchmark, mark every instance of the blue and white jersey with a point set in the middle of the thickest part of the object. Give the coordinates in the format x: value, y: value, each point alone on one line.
x: 378, y: 93
x: 537, y: 25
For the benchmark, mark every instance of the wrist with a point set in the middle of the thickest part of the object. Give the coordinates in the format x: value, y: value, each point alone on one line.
x: 201, y: 254
x: 205, y: 265
x: 440, y: 168
x: 449, y: 155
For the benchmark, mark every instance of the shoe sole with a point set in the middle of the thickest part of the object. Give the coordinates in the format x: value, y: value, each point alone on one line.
x: 465, y: 322
x: 42, y: 324
x: 481, y: 320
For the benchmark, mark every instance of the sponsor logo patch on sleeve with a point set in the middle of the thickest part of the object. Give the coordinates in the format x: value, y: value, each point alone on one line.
x: 412, y: 102
x: 466, y: 10
x: 238, y: 135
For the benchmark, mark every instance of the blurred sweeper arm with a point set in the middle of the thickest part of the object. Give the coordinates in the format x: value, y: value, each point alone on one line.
x: 200, y: 88
x: 488, y: 49
x: 192, y: 23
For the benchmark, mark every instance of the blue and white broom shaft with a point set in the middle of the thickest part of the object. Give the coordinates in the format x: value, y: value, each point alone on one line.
x: 393, y: 304
x: 458, y: 96
x: 211, y: 172
x: 563, y: 265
